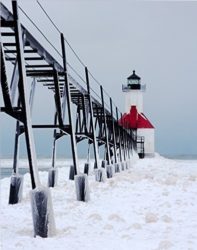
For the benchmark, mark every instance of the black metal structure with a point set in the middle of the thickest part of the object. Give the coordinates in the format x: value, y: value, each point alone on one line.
x: 93, y: 122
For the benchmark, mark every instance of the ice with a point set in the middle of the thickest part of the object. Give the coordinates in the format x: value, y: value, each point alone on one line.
x: 117, y: 167
x: 52, y: 177
x: 123, y: 166
x: 103, y: 163
x: 82, y: 187
x: 152, y: 205
x: 86, y: 168
x: 42, y: 212
x: 72, y: 173
x: 110, y: 171
x: 100, y: 175
x: 16, y: 189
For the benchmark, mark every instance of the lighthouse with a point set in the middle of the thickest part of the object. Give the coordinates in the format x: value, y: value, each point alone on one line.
x: 134, y: 117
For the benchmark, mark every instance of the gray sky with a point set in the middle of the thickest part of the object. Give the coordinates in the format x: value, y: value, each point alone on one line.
x: 157, y: 39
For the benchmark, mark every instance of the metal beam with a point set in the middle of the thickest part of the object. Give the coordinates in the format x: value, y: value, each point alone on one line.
x: 24, y: 103
x: 68, y: 97
x: 113, y: 132
x: 119, y: 135
x: 95, y: 144
x: 123, y: 138
x: 58, y: 98
x: 105, y: 126
x: 7, y: 16
x: 4, y: 84
x: 16, y: 148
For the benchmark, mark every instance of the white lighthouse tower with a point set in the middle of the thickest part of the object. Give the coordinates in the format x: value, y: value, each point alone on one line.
x: 133, y: 93
x: 134, y: 117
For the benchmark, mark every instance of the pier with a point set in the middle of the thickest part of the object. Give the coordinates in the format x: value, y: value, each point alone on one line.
x: 80, y: 113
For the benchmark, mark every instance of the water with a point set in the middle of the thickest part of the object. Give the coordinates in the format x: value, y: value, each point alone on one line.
x: 43, y: 165
x: 7, y: 172
x: 181, y: 157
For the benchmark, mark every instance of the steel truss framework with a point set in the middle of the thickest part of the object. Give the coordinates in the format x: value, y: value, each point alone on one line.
x: 93, y: 120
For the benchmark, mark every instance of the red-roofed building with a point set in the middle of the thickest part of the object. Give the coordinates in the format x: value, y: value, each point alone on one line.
x: 134, y: 118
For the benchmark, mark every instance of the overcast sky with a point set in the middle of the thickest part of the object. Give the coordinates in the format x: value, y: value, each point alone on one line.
x: 157, y: 39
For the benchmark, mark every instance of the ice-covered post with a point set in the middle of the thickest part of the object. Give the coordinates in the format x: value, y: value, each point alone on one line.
x: 103, y: 163
x: 105, y: 126
x: 118, y: 164
x: 40, y: 197
x: 52, y: 175
x: 16, y: 183
x: 85, y: 125
x: 81, y: 180
x: 53, y: 172
x: 71, y: 173
x: 123, y: 137
x: 52, y: 180
x: 119, y: 136
x: 87, y: 164
x: 95, y: 144
x: 68, y: 97
x: 42, y: 211
x: 100, y: 174
x: 82, y: 187
x: 128, y: 149
x: 86, y: 168
x: 109, y: 167
x: 123, y: 140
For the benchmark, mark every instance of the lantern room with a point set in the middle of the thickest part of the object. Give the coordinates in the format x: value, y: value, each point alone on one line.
x: 133, y: 81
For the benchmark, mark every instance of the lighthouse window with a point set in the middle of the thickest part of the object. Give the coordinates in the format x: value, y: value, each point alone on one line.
x: 134, y: 81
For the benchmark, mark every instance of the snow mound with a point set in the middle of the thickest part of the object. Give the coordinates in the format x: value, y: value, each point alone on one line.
x: 151, y: 218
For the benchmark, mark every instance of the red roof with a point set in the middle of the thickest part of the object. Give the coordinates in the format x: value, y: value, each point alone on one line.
x: 135, y: 120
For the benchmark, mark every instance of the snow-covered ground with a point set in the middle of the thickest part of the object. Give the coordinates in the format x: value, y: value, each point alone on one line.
x: 151, y: 206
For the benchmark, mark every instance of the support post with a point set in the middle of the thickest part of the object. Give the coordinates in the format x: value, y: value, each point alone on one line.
x: 24, y: 103
x: 82, y: 187
x: 4, y: 83
x: 52, y: 174
x: 16, y: 188
x: 131, y: 142
x: 68, y: 96
x: 16, y: 184
x: 123, y: 138
x: 95, y: 144
x: 119, y: 135
x: 58, y: 98
x: 16, y: 148
x: 113, y: 131
x: 54, y: 143
x: 42, y: 211
x: 84, y: 114
x: 105, y: 126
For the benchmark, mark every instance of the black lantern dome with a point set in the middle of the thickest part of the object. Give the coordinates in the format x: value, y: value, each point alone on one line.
x: 134, y: 81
